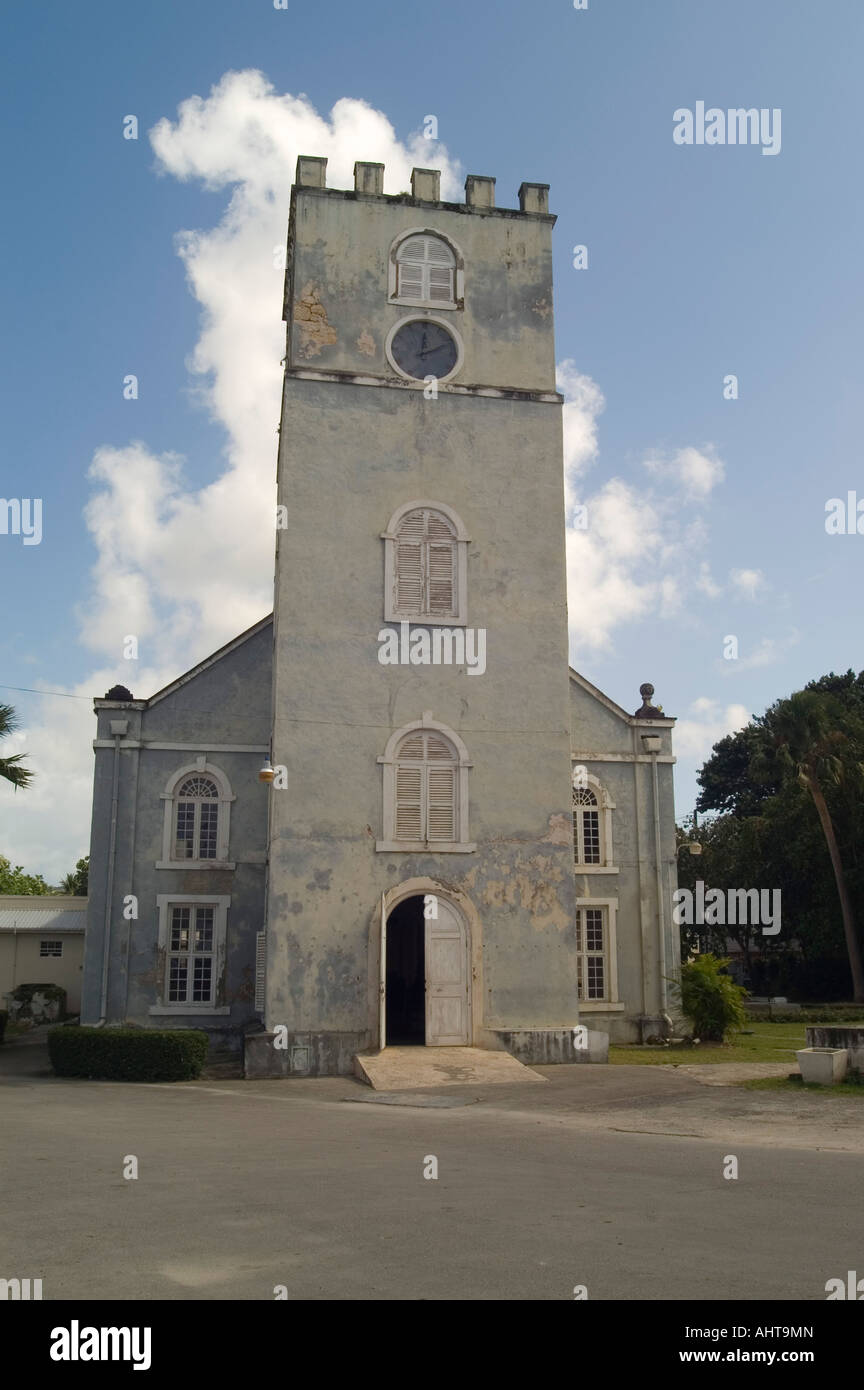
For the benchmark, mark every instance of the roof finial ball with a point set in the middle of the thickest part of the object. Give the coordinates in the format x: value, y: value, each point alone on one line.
x: 647, y: 710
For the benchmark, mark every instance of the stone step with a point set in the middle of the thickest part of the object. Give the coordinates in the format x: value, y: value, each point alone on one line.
x: 418, y: 1068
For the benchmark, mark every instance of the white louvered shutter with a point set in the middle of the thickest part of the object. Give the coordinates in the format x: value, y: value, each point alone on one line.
x: 260, y: 970
x: 426, y: 781
x: 426, y: 270
x: 440, y: 790
x: 410, y: 565
x: 425, y: 568
x: 409, y: 803
x: 440, y: 271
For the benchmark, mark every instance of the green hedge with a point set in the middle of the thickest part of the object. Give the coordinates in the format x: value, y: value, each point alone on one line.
x: 128, y: 1054
x: 828, y: 1014
x: 4, y: 1019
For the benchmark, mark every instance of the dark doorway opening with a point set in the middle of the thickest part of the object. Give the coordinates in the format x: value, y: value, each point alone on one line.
x: 406, y: 974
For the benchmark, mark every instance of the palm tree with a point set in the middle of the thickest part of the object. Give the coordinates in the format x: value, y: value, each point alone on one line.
x: 9, y: 767
x: 806, y: 738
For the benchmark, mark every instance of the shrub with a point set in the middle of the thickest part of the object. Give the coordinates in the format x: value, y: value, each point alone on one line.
x: 23, y: 995
x: 711, y: 999
x: 128, y: 1054
x: 4, y: 1018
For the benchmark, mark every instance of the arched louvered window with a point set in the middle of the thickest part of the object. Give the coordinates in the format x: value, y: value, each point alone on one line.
x: 425, y: 271
x: 426, y: 768
x: 425, y: 565
x: 197, y: 810
x: 426, y: 790
x: 196, y: 819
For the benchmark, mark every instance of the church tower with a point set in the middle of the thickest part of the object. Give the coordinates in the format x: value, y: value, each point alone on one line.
x: 421, y: 885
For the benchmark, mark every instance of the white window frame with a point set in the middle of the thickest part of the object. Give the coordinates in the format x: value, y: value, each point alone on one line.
x: 393, y: 275
x: 460, y: 586
x: 164, y: 903
x: 610, y: 1003
x: 389, y: 760
x: 605, y: 807
x: 200, y: 768
x: 50, y: 955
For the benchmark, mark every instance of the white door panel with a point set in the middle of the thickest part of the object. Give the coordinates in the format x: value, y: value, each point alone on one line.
x: 447, y: 979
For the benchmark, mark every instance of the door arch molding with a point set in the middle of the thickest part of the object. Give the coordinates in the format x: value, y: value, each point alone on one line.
x: 465, y: 910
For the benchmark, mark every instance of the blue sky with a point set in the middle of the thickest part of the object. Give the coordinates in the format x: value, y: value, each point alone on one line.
x: 707, y: 515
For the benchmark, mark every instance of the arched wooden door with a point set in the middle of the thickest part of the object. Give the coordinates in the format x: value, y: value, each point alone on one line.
x: 448, y: 988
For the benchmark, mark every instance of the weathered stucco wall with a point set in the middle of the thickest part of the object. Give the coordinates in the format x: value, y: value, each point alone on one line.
x: 609, y: 746
x: 350, y: 455
x: 227, y: 703
x: 339, y: 246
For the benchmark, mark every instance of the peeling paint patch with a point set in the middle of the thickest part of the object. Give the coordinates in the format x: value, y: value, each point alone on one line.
x: 542, y: 307
x: 560, y: 830
x: 311, y: 318
x: 366, y: 343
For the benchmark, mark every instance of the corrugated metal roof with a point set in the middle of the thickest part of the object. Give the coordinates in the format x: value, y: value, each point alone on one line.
x: 42, y: 919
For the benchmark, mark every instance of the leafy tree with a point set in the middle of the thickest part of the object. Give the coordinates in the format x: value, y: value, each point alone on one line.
x: 10, y: 767
x: 14, y: 880
x: 76, y: 882
x: 751, y: 782
x: 805, y: 738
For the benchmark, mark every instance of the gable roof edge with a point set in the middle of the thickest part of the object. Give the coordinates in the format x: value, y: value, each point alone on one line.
x: 610, y: 704
x: 209, y: 661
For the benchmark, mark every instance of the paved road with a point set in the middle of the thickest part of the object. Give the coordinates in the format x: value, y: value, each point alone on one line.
x: 595, y: 1179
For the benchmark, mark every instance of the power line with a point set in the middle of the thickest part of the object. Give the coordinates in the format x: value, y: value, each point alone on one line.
x: 26, y: 689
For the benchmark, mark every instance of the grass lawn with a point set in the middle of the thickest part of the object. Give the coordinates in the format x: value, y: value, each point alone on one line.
x: 785, y: 1083
x: 759, y: 1042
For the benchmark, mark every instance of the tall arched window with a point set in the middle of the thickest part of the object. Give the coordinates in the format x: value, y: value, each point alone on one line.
x: 592, y: 827
x: 426, y: 789
x: 196, y: 819
x: 425, y: 565
x: 195, y: 831
x: 586, y: 827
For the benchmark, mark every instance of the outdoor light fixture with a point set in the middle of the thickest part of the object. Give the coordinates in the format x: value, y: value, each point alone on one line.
x: 693, y: 846
x: 266, y: 774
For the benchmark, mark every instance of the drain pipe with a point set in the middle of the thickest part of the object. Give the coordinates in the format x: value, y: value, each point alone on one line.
x: 119, y: 727
x: 652, y: 746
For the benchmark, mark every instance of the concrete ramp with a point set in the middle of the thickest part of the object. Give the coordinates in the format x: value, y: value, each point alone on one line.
x: 418, y: 1068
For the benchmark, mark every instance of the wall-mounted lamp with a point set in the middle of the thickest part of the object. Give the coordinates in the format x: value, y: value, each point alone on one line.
x: 266, y: 774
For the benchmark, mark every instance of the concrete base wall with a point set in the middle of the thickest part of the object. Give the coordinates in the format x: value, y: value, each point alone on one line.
x: 548, y: 1046
x: 301, y: 1054
x: 850, y: 1038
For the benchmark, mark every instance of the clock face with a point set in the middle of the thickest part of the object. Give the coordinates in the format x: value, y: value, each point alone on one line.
x: 422, y: 348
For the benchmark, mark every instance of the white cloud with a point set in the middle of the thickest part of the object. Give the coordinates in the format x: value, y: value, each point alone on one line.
x: 748, y: 584
x: 641, y: 546
x: 185, y: 568
x: 705, y: 583
x: 708, y: 723
x: 696, y: 471
x: 583, y: 402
